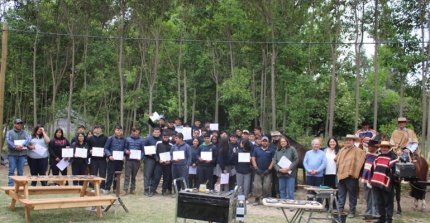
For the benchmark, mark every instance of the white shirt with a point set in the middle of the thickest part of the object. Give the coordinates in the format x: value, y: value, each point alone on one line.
x: 330, y: 168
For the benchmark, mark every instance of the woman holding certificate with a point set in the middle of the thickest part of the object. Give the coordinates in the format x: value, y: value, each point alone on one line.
x: 242, y: 159
x: 37, y: 156
x: 56, y: 146
x: 285, y: 163
x: 80, y: 159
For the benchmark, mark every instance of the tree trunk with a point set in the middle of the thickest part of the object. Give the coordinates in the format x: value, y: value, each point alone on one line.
x: 185, y: 97
x: 402, y: 90
x: 376, y: 66
x: 424, y: 72
x: 154, y: 73
x: 272, y: 86
x: 215, y: 77
x: 358, y: 44
x: 120, y: 63
x: 254, y: 95
x: 284, y: 120
x: 34, y: 80
x: 179, y: 78
x: 72, y: 78
x: 193, y: 112
x: 333, y: 72
x: 3, y: 80
x: 230, y: 50
x: 85, y: 75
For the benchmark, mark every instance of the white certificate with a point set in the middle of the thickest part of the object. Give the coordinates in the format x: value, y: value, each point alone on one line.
x: 284, y: 162
x: 187, y: 133
x: 192, y: 170
x: 39, y: 150
x: 224, y: 178
x: 98, y: 151
x: 206, y: 155
x: 149, y: 150
x: 155, y: 116
x: 165, y: 156
x: 63, y: 164
x: 178, y: 155
x: 244, y: 157
x: 65, y: 152
x: 135, y: 154
x: 118, y: 155
x: 214, y: 126
x: 81, y: 153
x: 19, y: 142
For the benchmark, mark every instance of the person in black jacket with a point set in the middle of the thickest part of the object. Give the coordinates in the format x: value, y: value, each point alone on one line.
x: 56, y: 146
x: 149, y: 163
x: 165, y: 166
x: 205, y: 167
x: 79, y: 164
x: 98, y: 164
x: 243, y: 167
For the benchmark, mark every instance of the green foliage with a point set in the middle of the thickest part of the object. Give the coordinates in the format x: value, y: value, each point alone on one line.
x: 237, y: 99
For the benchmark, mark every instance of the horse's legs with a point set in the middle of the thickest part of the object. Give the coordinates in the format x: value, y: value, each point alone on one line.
x: 423, y: 207
x: 397, y: 186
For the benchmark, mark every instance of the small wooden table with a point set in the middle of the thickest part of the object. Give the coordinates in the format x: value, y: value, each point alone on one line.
x: 300, y: 206
x: 21, y: 191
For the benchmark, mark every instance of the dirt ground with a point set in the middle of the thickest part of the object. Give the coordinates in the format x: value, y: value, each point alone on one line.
x: 142, y: 212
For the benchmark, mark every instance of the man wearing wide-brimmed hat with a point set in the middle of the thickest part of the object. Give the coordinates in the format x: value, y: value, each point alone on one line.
x: 349, y: 162
x: 404, y: 139
x: 382, y: 181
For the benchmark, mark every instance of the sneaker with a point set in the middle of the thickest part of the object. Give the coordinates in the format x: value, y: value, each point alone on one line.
x: 351, y: 215
x: 150, y: 194
x: 105, y: 192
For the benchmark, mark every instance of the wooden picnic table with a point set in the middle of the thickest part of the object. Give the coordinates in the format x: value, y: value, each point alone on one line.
x: 21, y: 193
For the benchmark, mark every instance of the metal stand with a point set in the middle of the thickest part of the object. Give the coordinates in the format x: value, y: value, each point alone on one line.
x: 117, y: 193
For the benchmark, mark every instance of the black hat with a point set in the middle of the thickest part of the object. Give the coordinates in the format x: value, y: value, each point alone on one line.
x: 373, y: 143
x: 97, y: 127
x: 365, y: 122
x: 18, y: 121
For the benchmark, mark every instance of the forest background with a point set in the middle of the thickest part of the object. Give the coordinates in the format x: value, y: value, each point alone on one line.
x: 306, y: 68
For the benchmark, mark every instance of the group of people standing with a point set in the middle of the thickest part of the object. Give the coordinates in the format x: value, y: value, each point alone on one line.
x: 261, y: 166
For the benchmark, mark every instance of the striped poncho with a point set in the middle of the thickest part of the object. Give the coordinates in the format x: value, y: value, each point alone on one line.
x: 383, y: 171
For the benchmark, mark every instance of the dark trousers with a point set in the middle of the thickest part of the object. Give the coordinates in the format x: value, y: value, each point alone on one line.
x: 348, y: 186
x: 204, y: 176
x: 131, y: 169
x: 112, y: 166
x: 275, y: 184
x: 330, y: 181
x: 38, y: 167
x: 385, y: 203
x: 166, y: 172
x: 180, y: 171
x: 192, y: 181
x: 79, y: 168
x: 148, y: 175
x: 56, y: 171
x: 98, y: 168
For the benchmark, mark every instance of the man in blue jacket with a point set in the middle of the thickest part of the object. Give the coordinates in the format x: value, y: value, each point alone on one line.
x: 150, y: 163
x: 117, y: 142
x: 17, y: 142
x: 205, y: 167
x: 132, y: 165
x: 179, y: 165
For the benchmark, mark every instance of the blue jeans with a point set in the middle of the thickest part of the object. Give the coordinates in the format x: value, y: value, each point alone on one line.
x: 371, y: 204
x: 15, y: 162
x: 287, y: 185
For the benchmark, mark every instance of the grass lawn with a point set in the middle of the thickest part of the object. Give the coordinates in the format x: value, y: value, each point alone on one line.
x: 162, y: 209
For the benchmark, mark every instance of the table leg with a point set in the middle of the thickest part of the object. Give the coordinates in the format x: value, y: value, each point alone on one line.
x: 97, y: 193
x: 25, y: 185
x: 297, y: 215
x: 285, y: 214
x: 84, y: 188
x: 27, y: 214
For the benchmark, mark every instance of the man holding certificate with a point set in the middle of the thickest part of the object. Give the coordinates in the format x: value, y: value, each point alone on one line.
x: 181, y: 153
x: 98, y: 158
x: 133, y: 155
x: 114, y: 149
x: 206, y: 161
x: 262, y: 162
x: 150, y: 162
x: 163, y: 154
x: 17, y: 140
x: 242, y: 160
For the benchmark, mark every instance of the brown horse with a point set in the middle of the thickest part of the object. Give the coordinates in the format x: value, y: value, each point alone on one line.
x: 418, y: 185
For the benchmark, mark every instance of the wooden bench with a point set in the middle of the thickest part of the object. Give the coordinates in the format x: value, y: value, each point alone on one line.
x: 34, y: 190
x: 68, y: 202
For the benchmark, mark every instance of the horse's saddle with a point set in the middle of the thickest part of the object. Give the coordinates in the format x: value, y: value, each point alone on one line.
x: 406, y: 170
